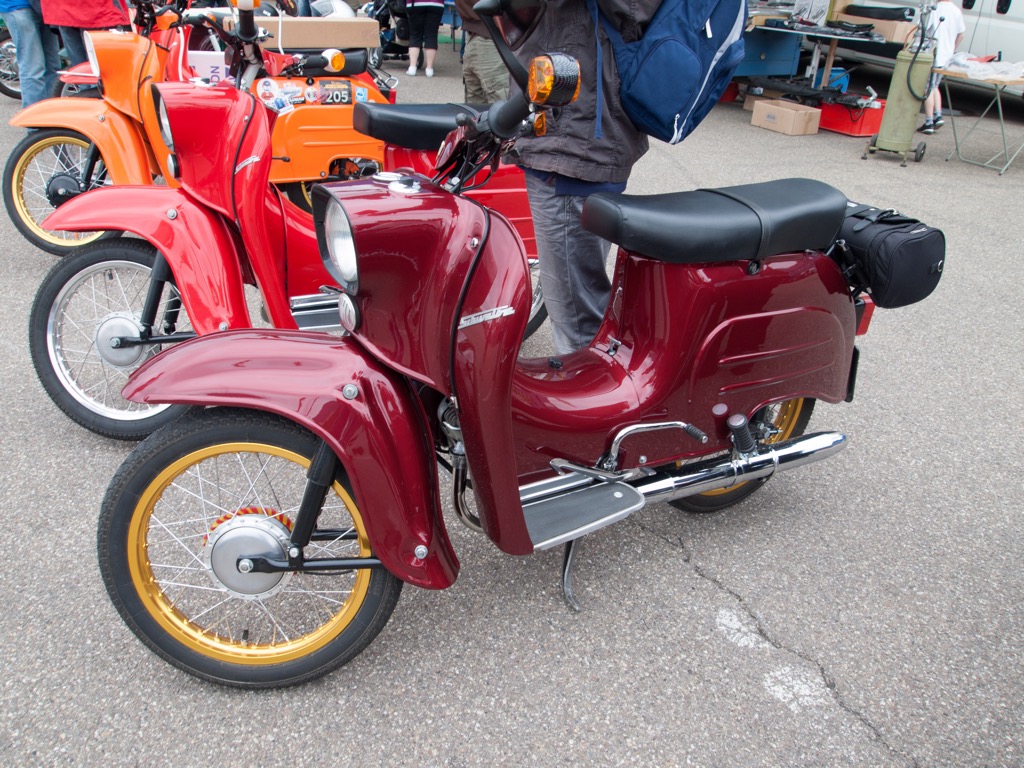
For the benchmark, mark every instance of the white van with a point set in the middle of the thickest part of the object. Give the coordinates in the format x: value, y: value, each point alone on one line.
x: 994, y: 27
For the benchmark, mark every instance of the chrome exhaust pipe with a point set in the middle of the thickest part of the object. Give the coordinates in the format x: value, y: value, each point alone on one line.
x: 715, y: 474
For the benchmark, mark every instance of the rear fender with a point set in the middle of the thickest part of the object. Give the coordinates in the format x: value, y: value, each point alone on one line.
x: 332, y: 387
x: 118, y: 138
x: 203, y: 254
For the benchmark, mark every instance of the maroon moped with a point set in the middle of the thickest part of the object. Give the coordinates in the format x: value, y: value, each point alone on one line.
x: 263, y: 538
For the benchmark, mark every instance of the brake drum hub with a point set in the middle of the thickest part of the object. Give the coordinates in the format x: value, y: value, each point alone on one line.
x: 247, y: 535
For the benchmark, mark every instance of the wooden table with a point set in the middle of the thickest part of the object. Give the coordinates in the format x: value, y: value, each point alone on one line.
x: 1001, y: 160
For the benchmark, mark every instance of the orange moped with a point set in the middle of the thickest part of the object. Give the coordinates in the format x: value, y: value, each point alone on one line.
x: 82, y: 144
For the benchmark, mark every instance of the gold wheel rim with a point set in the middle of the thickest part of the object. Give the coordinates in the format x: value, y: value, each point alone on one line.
x: 21, y: 173
x: 196, y: 637
x: 785, y: 422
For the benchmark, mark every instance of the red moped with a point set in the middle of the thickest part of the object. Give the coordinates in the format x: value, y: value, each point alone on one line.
x: 263, y: 539
x: 107, y: 308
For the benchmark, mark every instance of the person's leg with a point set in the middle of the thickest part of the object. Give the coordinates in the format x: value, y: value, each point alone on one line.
x: 573, y: 276
x: 431, y: 23
x: 493, y: 73
x: 929, y: 106
x: 470, y: 78
x: 29, y: 35
x: 416, y: 19
x: 74, y: 44
x: 937, y: 111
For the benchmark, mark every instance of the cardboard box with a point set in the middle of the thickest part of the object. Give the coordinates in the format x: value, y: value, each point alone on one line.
x: 892, y: 31
x: 786, y: 117
x: 209, y: 65
x: 300, y: 32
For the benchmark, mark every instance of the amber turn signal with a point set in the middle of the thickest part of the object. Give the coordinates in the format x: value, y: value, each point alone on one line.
x: 335, y: 60
x: 554, y: 80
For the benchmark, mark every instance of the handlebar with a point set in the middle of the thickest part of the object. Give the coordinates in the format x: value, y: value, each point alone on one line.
x: 504, y: 118
x: 247, y: 31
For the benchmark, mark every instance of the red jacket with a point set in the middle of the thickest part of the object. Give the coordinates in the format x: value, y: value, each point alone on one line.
x: 84, y: 14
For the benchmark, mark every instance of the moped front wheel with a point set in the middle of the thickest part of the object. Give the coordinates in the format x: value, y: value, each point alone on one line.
x: 772, y: 424
x: 46, y: 169
x: 194, y: 500
x: 86, y: 336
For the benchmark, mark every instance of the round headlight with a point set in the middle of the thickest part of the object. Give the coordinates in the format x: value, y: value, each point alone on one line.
x: 165, y: 124
x: 340, y: 246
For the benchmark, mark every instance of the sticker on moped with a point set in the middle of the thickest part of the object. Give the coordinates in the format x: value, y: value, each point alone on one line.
x: 335, y: 92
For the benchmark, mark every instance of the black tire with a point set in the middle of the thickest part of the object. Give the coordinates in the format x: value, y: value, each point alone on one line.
x: 43, y: 170
x: 248, y: 630
x: 10, y: 75
x: 85, y: 299
x: 779, y: 422
x: 376, y: 57
x: 919, y: 152
x: 538, y: 312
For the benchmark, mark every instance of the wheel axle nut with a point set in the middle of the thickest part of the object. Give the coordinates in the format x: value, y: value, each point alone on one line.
x: 245, y: 565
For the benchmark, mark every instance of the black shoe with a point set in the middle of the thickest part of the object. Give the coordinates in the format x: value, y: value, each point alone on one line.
x: 927, y: 128
x: 938, y: 122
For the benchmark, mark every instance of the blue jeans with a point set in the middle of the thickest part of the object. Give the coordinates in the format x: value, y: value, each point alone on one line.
x: 74, y: 45
x: 38, y: 54
x: 572, y: 266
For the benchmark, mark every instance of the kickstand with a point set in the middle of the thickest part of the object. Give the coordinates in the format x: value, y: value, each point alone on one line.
x: 567, y: 562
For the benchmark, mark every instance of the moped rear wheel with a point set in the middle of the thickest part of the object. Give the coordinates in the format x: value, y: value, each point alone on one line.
x: 775, y: 423
x: 194, y: 499
x: 46, y: 169
x: 84, y: 303
x: 10, y: 75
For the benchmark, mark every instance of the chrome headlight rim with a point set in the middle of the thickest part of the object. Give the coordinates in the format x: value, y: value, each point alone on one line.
x: 166, y: 135
x: 335, y: 240
x: 90, y: 53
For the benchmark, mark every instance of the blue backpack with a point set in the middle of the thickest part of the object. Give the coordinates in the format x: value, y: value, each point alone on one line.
x: 671, y: 77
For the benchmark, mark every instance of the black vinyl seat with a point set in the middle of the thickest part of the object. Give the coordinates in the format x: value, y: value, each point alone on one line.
x: 415, y: 126
x: 750, y: 221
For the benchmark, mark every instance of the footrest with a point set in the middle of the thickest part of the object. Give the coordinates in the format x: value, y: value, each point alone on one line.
x: 558, y: 519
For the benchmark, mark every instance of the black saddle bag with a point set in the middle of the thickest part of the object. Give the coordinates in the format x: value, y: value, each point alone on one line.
x: 896, y: 259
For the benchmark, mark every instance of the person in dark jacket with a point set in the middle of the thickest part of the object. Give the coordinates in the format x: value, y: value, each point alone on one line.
x: 583, y: 151
x: 483, y: 73
x: 72, y: 17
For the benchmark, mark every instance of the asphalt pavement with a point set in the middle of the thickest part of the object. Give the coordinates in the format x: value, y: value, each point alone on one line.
x: 865, y: 611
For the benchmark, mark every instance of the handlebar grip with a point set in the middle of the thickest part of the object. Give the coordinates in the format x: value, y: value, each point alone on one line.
x: 246, y: 26
x: 315, y: 62
x: 505, y: 117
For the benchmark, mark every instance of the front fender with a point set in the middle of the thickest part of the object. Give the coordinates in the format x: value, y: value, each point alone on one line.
x: 118, y: 138
x: 376, y: 429
x: 203, y: 254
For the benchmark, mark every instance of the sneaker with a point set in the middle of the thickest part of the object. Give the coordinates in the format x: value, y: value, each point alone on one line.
x: 927, y: 128
x: 938, y: 122
x: 429, y: 72
x: 411, y: 72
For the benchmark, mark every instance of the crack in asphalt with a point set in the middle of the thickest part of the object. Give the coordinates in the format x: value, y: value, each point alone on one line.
x: 762, y: 631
